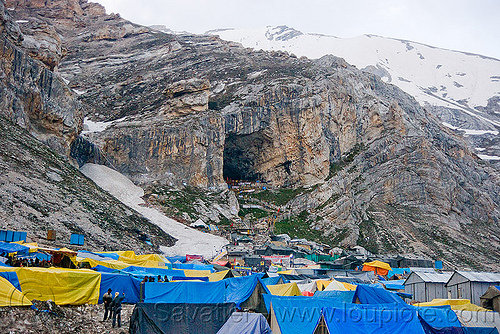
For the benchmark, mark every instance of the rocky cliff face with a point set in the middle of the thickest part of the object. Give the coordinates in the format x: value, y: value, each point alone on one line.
x: 376, y: 168
x: 31, y: 95
x: 39, y: 189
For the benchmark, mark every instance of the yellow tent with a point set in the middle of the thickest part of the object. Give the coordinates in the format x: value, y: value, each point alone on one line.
x: 322, y: 284
x: 218, y: 276
x: 63, y: 286
x: 195, y: 273
x: 288, y: 289
x: 455, y: 304
x: 379, y: 267
x: 10, y: 296
x: 340, y: 286
x: 112, y: 264
x: 146, y: 260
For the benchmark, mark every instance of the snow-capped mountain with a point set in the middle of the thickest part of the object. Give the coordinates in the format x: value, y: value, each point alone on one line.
x: 462, y: 89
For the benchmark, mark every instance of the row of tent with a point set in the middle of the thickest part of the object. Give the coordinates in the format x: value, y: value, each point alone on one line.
x: 367, y: 309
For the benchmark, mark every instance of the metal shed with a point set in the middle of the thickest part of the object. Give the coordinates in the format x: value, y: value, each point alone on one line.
x: 471, y: 285
x: 424, y: 286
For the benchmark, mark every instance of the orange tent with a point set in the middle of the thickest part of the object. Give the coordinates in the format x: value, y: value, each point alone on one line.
x: 379, y: 267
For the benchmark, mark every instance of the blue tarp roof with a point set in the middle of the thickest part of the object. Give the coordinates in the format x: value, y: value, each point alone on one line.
x: 372, y: 319
x: 113, y: 256
x: 142, y: 271
x: 376, y: 295
x: 341, y: 296
x: 185, y: 292
x: 395, y: 285
x: 193, y: 266
x: 245, y: 323
x: 11, y: 276
x: 12, y: 248
x: 120, y: 283
x: 398, y: 271
x: 3, y: 265
x: 232, y: 290
x: 179, y: 258
x: 239, y: 289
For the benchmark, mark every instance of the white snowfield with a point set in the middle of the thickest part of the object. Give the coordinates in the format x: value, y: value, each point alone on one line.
x: 190, y: 241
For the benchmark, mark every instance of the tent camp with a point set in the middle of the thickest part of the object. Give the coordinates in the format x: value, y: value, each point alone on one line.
x: 491, y: 298
x: 168, y: 318
x: 120, y: 283
x: 378, y: 267
x: 425, y: 287
x: 10, y: 296
x: 245, y: 323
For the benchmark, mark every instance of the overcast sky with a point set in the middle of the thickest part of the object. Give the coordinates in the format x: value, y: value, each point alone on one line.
x: 464, y: 25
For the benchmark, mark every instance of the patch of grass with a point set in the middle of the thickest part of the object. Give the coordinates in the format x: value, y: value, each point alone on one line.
x: 300, y: 227
x: 255, y: 212
x: 334, y: 198
x: 367, y: 235
x: 278, y: 197
x: 345, y: 160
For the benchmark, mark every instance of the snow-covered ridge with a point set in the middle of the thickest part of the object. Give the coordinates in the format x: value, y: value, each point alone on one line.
x: 432, y: 75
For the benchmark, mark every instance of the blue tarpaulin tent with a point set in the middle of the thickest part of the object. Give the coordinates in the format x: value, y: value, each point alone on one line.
x: 239, y: 289
x: 376, y: 295
x: 193, y: 266
x: 371, y: 319
x: 272, y: 280
x: 12, y: 248
x: 245, y: 323
x: 120, y: 283
x: 395, y: 285
x: 232, y: 290
x: 341, y: 296
x: 185, y: 292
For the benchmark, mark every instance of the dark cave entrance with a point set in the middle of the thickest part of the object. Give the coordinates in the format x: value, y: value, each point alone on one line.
x: 242, y: 156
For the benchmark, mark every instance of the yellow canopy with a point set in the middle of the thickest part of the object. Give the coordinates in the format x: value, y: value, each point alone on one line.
x: 455, y: 304
x: 146, y: 260
x: 288, y: 289
x: 10, y: 296
x: 218, y: 276
x: 340, y: 286
x: 63, y: 286
x: 112, y: 264
x: 378, y: 264
x: 322, y: 284
x: 196, y: 273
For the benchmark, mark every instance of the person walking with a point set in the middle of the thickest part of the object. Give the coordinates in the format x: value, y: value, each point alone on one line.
x: 117, y: 308
x: 107, y: 298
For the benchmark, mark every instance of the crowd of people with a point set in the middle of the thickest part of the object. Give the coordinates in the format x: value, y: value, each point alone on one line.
x: 152, y: 279
x: 20, y: 262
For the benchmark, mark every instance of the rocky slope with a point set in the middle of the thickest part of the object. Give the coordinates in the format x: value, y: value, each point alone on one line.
x: 39, y: 188
x: 368, y: 164
x: 460, y: 88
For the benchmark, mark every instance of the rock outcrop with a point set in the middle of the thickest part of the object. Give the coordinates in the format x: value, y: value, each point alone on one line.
x: 376, y: 168
x: 31, y: 95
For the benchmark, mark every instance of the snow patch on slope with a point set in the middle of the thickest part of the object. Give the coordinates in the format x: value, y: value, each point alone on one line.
x: 190, y: 241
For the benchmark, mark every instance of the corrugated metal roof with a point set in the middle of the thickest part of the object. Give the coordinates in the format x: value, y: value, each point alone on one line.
x: 475, y: 276
x: 434, y: 277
